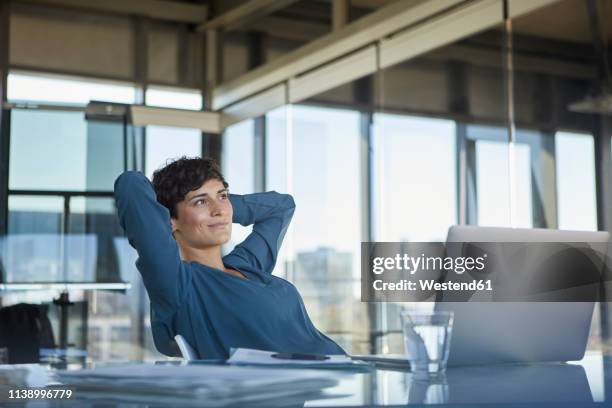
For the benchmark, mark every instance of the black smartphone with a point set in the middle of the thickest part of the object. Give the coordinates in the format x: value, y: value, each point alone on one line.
x: 300, y: 356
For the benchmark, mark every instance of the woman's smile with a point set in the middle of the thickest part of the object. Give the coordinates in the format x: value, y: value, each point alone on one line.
x: 219, y: 225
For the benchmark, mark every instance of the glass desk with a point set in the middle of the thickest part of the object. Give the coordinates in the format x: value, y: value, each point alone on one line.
x: 584, y: 383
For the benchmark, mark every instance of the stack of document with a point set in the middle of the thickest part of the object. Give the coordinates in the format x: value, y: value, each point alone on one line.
x: 22, y: 376
x: 244, y: 356
x: 198, y: 385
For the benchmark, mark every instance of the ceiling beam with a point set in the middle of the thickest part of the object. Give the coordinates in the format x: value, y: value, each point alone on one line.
x: 206, y: 121
x: 358, y: 34
x: 289, y: 29
x: 445, y: 29
x: 244, y: 13
x: 527, y: 62
x: 155, y: 9
x: 420, y: 23
x: 371, y: 4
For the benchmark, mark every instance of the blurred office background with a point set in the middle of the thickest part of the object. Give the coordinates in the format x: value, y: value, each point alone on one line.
x: 386, y: 120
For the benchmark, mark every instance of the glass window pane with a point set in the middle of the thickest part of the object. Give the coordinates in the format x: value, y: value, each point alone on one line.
x: 415, y: 192
x: 167, y: 143
x: 321, y: 249
x: 31, y: 251
x: 324, y: 186
x: 238, y: 169
x: 93, y: 228
x: 493, y: 184
x: 36, y: 248
x: 111, y: 313
x: 521, y: 154
x: 415, y: 178
x: 173, y: 98
x: 105, y: 159
x: 53, y: 89
x: 575, y: 165
x: 48, y: 150
x: 277, y: 149
x: 55, y: 150
x: 278, y: 144
x: 35, y: 214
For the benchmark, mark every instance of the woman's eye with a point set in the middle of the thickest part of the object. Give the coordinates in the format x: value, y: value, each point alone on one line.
x: 200, y: 202
x: 223, y: 196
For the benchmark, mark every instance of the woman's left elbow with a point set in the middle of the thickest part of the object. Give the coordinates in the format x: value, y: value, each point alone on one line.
x: 289, y: 201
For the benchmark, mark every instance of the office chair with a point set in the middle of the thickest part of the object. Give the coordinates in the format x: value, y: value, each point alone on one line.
x: 189, y: 354
x: 24, y: 330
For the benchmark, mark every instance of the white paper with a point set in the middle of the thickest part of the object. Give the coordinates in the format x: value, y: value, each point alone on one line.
x: 211, y: 382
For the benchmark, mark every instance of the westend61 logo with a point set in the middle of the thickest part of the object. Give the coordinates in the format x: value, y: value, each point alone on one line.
x: 414, y: 264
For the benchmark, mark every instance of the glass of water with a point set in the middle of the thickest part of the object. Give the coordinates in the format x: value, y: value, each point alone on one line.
x: 427, y: 340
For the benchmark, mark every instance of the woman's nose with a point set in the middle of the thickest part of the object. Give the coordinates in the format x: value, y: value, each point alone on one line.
x: 216, y: 209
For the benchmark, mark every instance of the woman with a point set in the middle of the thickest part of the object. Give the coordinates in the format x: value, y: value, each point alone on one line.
x: 178, y: 226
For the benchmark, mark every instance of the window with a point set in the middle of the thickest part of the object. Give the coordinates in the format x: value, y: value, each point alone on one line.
x: 415, y: 193
x: 59, y: 150
x: 57, y: 89
x: 167, y: 143
x: 503, y: 174
x: 94, y: 229
x: 62, y: 236
x: 48, y: 150
x: 62, y: 153
x: 493, y: 184
x: 32, y: 250
x: 279, y: 143
x: 238, y: 169
x: 174, y: 98
x: 575, y: 167
x: 576, y: 198
x: 57, y: 231
x: 415, y: 178
x: 313, y: 153
x: 163, y: 142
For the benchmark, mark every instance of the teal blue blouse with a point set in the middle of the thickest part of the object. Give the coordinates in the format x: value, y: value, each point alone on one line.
x: 211, y: 309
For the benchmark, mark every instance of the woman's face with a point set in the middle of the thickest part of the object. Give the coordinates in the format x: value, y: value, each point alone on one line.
x: 204, y: 217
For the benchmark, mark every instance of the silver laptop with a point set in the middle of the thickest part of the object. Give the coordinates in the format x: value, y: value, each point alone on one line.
x: 502, y: 332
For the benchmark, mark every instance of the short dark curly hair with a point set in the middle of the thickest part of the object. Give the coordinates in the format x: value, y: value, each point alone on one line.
x: 180, y: 176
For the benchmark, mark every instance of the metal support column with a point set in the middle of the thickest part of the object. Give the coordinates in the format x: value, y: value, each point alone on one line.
x: 139, y: 137
x: 212, y: 143
x: 141, y: 78
x: 365, y: 95
x: 603, y: 173
x: 462, y: 172
x: 508, y: 54
x: 458, y: 104
x: 603, y: 183
x: 259, y: 176
x: 256, y: 57
x: 364, y: 89
x: 340, y: 14
x: 4, y: 114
